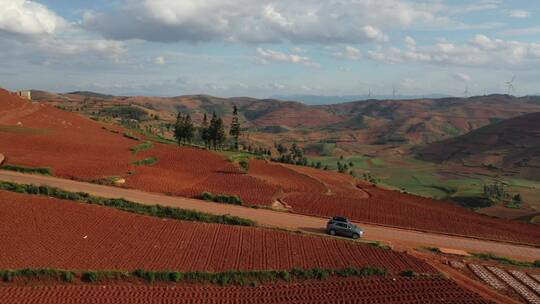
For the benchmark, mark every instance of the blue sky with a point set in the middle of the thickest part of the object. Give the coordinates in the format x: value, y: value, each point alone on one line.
x: 263, y: 48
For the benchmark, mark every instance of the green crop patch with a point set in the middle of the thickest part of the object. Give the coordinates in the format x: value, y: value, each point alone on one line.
x: 29, y: 170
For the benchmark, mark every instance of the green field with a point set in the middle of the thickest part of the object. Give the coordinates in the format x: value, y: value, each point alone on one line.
x: 431, y: 180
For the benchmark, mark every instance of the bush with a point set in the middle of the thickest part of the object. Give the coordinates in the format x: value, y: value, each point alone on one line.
x: 68, y: 276
x: 90, y: 276
x: 142, y: 147
x: 225, y: 199
x: 146, y: 162
x: 408, y: 273
x: 536, y: 263
x: 22, y: 169
x: 244, y: 164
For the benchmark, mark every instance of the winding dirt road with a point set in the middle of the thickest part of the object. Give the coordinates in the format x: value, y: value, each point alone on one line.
x: 400, y: 239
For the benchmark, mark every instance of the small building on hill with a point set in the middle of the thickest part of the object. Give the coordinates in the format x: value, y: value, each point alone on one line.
x: 25, y: 94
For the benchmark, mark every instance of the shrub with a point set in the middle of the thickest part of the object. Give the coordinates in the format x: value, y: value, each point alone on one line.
x: 142, y: 147
x: 90, y: 276
x: 536, y: 263
x: 131, y: 136
x: 22, y: 169
x: 147, y: 161
x: 68, y: 276
x: 225, y: 199
x: 408, y: 273
x: 244, y: 164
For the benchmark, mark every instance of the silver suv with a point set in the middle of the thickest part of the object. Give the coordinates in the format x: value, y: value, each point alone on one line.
x: 339, y: 225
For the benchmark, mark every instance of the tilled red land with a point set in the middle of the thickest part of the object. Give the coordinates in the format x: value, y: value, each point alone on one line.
x: 78, y: 148
x: 42, y: 232
x: 368, y: 291
x: 402, y: 210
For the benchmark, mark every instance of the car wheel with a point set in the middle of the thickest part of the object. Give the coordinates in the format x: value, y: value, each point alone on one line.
x: 332, y: 232
x: 355, y: 236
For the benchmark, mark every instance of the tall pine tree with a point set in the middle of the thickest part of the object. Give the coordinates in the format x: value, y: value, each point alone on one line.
x: 204, y: 131
x: 235, y: 127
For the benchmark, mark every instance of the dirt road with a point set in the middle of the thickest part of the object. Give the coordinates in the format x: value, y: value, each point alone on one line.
x: 400, y: 239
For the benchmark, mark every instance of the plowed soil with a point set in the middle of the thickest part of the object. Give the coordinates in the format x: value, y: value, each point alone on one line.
x: 402, y: 210
x: 42, y: 232
x: 368, y: 291
x: 76, y: 147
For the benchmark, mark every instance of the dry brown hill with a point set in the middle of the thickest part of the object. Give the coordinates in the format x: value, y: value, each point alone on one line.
x: 511, y: 146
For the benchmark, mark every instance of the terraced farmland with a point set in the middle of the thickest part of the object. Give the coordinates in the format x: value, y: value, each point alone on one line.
x: 363, y: 291
x: 68, y: 235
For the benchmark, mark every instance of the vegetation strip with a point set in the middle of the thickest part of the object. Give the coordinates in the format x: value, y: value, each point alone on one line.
x: 224, y: 199
x: 22, y: 169
x: 505, y: 260
x: 125, y: 205
x: 147, y: 145
x: 251, y: 278
x: 147, y: 161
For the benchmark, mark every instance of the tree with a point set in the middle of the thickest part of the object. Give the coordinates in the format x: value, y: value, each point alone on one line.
x: 216, y: 131
x: 204, y: 131
x: 184, y: 129
x: 281, y: 149
x: 235, y: 127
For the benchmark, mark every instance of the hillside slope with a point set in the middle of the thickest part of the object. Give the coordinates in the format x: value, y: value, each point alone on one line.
x: 414, y: 121
x: 511, y: 146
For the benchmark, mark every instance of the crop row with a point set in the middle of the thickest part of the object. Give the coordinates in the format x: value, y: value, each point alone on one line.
x: 62, y: 235
x: 397, y: 209
x: 486, y: 276
x: 372, y: 291
x: 517, y: 286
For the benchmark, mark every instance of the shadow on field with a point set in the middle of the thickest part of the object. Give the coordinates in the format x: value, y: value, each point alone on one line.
x: 313, y: 230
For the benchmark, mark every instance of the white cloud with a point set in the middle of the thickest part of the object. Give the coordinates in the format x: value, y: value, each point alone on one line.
x: 260, y: 21
x: 462, y: 76
x: 270, y: 55
x: 160, y: 60
x: 298, y: 50
x: 349, y: 53
x: 410, y: 42
x: 28, y: 18
x: 32, y: 27
x: 522, y: 14
x: 479, y: 51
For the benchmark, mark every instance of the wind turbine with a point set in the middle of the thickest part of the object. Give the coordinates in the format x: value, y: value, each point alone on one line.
x: 466, y: 92
x: 394, y: 92
x: 510, y: 85
x: 369, y: 93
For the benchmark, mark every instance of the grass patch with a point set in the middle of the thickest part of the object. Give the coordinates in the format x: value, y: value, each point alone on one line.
x: 147, y: 161
x: 224, y: 199
x: 147, y: 145
x: 61, y: 275
x: 505, y: 260
x: 243, y: 278
x: 132, y: 136
x: 128, y: 206
x: 433, y: 249
x: 30, y: 170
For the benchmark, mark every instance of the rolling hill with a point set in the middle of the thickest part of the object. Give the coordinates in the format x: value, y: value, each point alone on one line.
x: 415, y: 121
x: 511, y: 146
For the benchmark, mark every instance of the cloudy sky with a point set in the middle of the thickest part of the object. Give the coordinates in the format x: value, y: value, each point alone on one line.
x: 261, y: 48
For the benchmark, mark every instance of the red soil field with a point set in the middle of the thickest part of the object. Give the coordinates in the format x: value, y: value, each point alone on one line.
x: 367, y: 291
x: 78, y: 148
x: 402, y: 210
x: 74, y: 146
x: 42, y: 232
x: 190, y: 172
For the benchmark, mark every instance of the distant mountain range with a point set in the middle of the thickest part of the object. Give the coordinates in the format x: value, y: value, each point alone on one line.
x: 324, y: 99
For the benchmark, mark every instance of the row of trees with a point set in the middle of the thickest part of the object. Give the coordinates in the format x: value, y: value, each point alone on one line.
x: 211, y: 133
